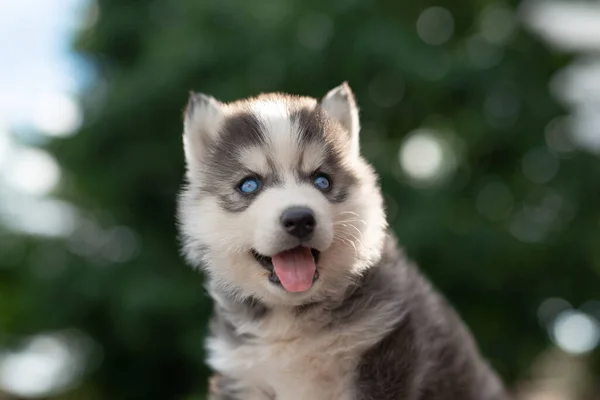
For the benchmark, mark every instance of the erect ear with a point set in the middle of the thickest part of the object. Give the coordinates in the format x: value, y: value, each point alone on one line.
x: 203, y: 117
x: 339, y: 104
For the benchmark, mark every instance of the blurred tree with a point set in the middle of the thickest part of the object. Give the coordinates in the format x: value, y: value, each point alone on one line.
x: 511, y: 221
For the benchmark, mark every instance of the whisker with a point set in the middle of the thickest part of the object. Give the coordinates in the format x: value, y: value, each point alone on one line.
x: 345, y: 236
x: 350, y: 220
x: 347, y: 241
x: 357, y: 230
x: 355, y: 238
x: 346, y: 212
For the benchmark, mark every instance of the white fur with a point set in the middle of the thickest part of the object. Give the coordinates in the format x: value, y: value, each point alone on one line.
x: 254, y: 159
x: 313, y: 156
x: 291, y: 368
x: 293, y: 358
x: 282, y: 134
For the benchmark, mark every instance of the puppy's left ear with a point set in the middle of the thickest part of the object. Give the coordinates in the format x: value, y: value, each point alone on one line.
x: 339, y: 104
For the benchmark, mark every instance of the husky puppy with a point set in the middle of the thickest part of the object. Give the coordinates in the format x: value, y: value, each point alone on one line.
x: 313, y: 299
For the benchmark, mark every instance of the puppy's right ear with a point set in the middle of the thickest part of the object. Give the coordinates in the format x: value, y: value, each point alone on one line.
x: 203, y: 117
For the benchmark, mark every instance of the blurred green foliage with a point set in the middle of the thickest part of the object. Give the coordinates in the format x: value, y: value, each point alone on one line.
x: 147, y: 311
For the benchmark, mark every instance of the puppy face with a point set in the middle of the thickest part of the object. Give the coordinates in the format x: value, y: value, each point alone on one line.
x: 279, y: 203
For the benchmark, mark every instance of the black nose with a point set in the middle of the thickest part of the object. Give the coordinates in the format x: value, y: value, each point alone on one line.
x: 298, y: 221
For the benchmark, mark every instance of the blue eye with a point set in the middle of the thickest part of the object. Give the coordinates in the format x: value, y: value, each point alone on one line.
x: 322, y: 182
x: 249, y: 185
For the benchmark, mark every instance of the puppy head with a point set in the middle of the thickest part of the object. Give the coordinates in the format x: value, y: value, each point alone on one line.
x: 279, y: 204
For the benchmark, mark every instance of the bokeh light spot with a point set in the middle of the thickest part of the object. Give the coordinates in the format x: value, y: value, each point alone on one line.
x: 57, y: 114
x: 483, y: 54
x: 315, y: 31
x: 435, y: 26
x: 497, y: 23
x: 539, y: 166
x: 557, y: 135
x: 46, y: 364
x: 386, y: 91
x: 32, y: 171
x: 568, y: 25
x: 425, y: 157
x: 543, y: 212
x: 38, y: 216
x: 421, y: 157
x: 576, y: 332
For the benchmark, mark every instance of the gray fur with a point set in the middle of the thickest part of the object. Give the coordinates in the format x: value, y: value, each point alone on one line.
x: 429, y: 354
x: 238, y: 132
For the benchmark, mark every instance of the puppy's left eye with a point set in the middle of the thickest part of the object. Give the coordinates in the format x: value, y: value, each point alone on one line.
x: 322, y: 182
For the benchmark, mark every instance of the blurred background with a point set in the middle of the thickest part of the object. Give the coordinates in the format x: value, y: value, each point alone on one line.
x: 482, y: 118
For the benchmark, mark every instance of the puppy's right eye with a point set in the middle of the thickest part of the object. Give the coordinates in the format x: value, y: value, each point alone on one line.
x: 322, y: 182
x: 249, y: 185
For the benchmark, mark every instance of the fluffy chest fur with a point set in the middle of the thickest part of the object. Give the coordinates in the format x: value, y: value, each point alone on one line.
x: 290, y: 357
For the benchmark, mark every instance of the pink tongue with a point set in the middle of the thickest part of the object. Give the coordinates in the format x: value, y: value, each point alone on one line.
x: 295, y: 269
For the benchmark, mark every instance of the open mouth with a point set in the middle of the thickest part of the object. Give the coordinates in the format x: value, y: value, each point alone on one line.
x: 294, y: 269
